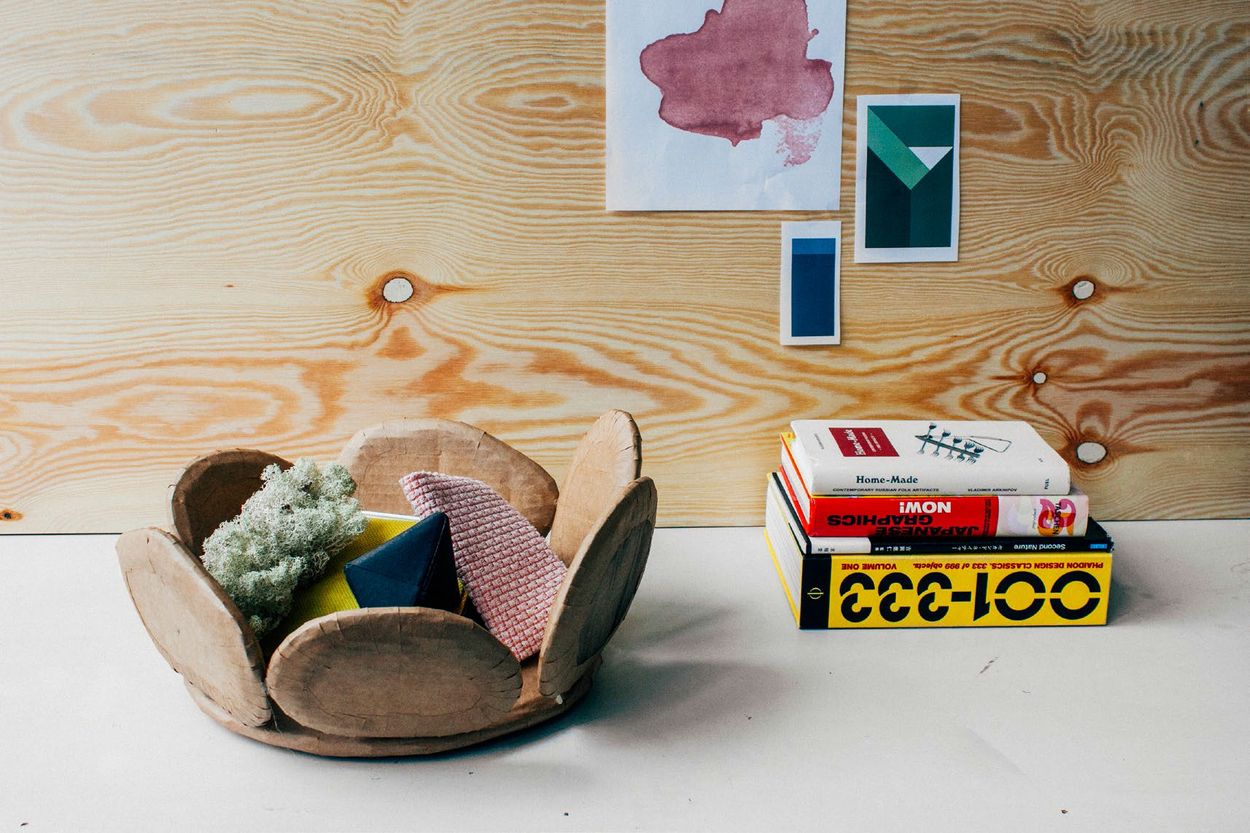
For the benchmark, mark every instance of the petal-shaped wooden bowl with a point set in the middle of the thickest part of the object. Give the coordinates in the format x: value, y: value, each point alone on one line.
x: 400, y: 681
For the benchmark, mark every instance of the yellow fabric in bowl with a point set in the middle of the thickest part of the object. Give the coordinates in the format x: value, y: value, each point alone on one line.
x: 330, y: 593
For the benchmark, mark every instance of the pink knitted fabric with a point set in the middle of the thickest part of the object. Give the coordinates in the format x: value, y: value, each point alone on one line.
x: 511, y: 573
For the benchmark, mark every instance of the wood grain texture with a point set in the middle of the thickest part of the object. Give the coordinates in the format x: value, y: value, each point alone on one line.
x: 213, y: 490
x: 531, y: 708
x: 201, y: 203
x: 608, y: 458
x: 194, y: 624
x: 598, y: 589
x: 380, y: 456
x: 394, y: 672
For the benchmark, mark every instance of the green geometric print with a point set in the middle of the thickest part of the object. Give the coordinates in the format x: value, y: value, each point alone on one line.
x: 908, y: 204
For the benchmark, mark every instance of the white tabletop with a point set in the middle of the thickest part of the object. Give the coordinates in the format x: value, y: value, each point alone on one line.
x: 711, y: 712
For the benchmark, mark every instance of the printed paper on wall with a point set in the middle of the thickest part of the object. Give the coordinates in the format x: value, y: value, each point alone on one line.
x: 724, y: 104
x: 907, y: 178
x: 811, y: 270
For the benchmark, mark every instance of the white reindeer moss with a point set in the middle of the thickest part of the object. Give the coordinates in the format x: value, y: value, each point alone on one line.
x: 283, y: 539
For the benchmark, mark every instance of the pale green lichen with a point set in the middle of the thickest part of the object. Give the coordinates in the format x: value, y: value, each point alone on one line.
x: 283, y: 539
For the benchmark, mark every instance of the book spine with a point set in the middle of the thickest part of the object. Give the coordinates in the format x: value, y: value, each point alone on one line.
x: 780, y: 510
x: 984, y: 546
x: 892, y: 483
x: 935, y: 516
x: 1095, y: 541
x: 903, y: 474
x: 895, y: 517
x: 952, y: 588
x: 814, y: 606
x: 949, y: 516
x: 872, y: 591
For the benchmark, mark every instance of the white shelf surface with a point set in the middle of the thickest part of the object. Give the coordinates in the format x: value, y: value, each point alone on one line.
x: 711, y: 712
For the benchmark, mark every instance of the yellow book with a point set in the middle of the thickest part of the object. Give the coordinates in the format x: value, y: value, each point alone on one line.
x: 946, y: 589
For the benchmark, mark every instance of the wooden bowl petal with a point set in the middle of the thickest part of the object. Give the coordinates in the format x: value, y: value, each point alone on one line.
x: 608, y: 458
x: 378, y: 457
x: 195, y: 625
x: 532, y: 708
x: 394, y: 672
x: 212, y: 490
x: 599, y: 588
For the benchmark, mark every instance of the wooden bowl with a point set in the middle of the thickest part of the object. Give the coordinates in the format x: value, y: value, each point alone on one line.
x: 400, y: 681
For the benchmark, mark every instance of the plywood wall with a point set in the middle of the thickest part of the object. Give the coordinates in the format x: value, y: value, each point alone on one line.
x: 200, y: 203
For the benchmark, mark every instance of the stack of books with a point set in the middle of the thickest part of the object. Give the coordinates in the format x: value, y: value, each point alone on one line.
x: 922, y: 524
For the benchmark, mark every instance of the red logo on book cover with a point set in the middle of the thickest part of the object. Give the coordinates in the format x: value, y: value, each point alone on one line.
x: 863, y: 442
x: 1056, y: 518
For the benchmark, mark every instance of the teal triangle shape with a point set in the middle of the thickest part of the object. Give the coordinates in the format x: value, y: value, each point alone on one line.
x: 893, y: 152
x: 919, y: 125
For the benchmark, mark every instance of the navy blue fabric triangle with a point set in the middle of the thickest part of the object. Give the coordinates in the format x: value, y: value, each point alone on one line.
x: 413, y: 569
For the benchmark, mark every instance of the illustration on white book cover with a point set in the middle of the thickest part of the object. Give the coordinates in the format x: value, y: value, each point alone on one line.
x: 906, y: 456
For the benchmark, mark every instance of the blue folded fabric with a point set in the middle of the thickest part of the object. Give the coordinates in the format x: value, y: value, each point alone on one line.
x: 413, y: 569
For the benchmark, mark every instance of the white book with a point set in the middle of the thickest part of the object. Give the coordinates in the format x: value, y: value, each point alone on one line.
x: 947, y: 457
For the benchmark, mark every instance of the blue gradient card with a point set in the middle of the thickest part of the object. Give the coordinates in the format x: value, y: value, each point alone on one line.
x: 811, y: 268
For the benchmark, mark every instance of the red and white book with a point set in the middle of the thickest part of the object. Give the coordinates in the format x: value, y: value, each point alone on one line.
x: 955, y: 457
x: 932, y: 515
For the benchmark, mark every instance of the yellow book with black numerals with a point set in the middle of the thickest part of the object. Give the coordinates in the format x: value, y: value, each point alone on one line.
x: 951, y: 589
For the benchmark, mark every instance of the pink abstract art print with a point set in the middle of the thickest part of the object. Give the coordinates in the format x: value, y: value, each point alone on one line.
x: 724, y: 104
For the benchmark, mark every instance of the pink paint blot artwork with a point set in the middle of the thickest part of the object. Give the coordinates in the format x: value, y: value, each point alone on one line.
x: 746, y: 65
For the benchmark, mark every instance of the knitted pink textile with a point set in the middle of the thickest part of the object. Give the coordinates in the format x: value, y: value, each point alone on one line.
x: 511, y: 573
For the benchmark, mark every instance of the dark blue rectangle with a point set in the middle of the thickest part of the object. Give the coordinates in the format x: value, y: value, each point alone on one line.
x: 813, y: 287
x: 814, y: 245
